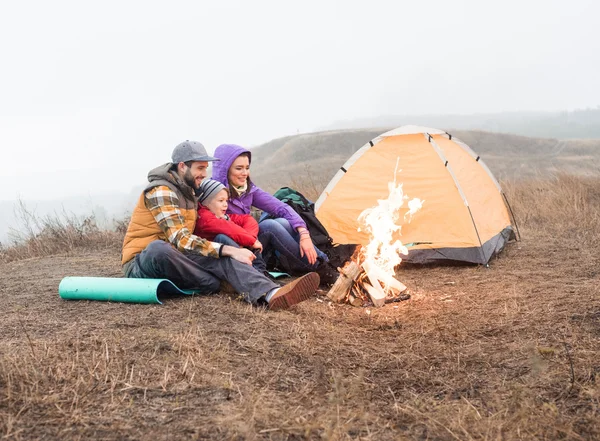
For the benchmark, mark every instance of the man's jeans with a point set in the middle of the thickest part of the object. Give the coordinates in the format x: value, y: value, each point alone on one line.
x: 193, y: 271
x: 277, y: 236
x: 257, y: 263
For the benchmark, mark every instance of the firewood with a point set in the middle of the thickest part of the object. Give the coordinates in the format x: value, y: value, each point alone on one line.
x: 343, y: 284
x: 377, y: 295
x: 387, y: 280
x: 374, y: 289
x: 354, y: 301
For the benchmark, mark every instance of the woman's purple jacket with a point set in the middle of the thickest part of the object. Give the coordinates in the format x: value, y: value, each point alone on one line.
x: 254, y: 197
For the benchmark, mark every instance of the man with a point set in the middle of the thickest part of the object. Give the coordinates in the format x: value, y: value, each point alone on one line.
x: 160, y: 243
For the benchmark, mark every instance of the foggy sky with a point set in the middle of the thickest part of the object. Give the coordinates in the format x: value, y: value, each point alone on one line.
x: 93, y: 95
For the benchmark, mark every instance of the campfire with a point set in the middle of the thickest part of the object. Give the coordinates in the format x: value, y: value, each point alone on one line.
x: 369, y: 275
x: 360, y: 283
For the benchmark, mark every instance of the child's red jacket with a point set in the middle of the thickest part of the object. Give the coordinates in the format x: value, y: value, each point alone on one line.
x: 242, y: 228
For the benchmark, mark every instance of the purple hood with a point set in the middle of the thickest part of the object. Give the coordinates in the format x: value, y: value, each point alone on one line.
x: 254, y: 196
x: 227, y: 154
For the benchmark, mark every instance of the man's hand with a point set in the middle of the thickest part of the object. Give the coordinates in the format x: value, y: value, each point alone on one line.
x: 257, y: 246
x: 240, y: 254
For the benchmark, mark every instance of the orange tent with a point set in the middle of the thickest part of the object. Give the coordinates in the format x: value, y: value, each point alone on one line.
x: 464, y: 216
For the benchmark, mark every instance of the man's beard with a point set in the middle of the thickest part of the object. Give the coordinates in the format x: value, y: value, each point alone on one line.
x: 189, y: 179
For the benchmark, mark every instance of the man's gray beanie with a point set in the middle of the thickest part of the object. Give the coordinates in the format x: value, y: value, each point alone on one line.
x: 208, y: 189
x: 190, y: 151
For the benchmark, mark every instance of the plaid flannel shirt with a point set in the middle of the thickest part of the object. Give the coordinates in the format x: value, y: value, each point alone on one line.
x: 163, y: 203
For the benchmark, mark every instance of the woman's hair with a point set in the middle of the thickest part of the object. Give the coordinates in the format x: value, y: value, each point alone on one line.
x: 247, y: 155
x: 233, y: 193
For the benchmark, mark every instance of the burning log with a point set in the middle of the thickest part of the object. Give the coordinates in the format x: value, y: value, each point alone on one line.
x: 388, y: 281
x: 342, y: 286
x: 357, y: 281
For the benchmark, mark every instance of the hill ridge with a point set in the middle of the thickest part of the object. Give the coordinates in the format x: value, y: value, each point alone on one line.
x: 317, y: 156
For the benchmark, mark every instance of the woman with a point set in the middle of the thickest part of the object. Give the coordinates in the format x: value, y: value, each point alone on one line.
x: 286, y: 234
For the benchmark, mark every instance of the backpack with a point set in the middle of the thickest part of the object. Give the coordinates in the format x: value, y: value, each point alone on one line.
x: 306, y: 210
x: 338, y: 254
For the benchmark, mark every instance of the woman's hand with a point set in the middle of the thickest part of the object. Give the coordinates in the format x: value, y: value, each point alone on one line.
x: 258, y: 246
x: 307, y: 248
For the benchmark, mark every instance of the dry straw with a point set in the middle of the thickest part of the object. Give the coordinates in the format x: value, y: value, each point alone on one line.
x: 509, y: 352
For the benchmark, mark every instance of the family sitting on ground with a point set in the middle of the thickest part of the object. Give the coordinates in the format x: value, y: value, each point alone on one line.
x: 198, y: 232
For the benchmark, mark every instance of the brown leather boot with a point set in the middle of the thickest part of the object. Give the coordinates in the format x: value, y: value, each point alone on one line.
x: 294, y: 292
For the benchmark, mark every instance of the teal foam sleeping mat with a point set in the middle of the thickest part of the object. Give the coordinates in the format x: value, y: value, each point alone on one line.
x: 113, y: 289
x: 127, y: 290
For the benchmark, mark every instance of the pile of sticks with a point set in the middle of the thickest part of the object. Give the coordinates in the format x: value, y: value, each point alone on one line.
x: 360, y: 283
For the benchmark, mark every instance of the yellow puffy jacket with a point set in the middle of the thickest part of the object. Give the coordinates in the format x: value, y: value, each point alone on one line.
x: 143, y: 228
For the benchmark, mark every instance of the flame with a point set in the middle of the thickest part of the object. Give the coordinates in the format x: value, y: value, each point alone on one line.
x: 382, y: 224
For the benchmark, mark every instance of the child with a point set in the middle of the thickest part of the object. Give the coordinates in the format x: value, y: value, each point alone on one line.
x: 230, y: 229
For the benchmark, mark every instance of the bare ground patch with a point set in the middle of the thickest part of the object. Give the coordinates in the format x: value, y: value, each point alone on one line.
x: 500, y: 353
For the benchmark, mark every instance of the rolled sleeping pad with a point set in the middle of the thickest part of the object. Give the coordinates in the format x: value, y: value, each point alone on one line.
x: 113, y: 289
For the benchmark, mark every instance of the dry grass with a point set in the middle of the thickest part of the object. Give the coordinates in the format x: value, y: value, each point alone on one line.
x: 563, y: 206
x: 58, y: 233
x: 510, y: 352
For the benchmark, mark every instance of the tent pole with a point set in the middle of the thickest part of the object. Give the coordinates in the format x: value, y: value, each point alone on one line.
x: 484, y: 262
x: 512, y: 215
x: 459, y: 188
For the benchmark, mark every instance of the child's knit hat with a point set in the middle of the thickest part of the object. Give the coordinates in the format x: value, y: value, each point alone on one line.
x: 208, y: 189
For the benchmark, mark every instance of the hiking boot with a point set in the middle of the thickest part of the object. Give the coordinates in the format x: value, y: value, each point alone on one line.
x: 295, y: 292
x: 327, y: 272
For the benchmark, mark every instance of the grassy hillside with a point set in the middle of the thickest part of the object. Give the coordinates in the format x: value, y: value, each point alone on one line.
x: 316, y: 157
x: 311, y: 158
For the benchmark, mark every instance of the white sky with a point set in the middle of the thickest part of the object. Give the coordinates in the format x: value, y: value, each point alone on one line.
x: 94, y: 94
